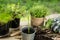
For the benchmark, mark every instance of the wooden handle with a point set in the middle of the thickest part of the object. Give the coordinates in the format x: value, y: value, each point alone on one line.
x: 15, y: 33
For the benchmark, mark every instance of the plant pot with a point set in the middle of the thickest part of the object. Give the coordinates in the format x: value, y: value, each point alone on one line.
x: 4, y: 30
x: 15, y: 23
x: 37, y: 21
x: 26, y: 35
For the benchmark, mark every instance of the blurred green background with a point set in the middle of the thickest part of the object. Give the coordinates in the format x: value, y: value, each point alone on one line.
x: 54, y: 5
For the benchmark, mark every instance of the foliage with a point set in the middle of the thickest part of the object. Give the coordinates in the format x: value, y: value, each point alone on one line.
x: 48, y: 24
x: 39, y: 11
x: 12, y: 10
x: 5, y: 17
x: 16, y: 10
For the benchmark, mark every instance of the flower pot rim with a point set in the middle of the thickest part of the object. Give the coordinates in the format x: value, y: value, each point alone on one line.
x: 38, y: 18
x: 26, y: 33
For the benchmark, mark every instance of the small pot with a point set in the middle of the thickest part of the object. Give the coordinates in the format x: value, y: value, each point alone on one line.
x: 4, y: 30
x: 26, y: 35
x: 15, y: 23
x: 37, y: 21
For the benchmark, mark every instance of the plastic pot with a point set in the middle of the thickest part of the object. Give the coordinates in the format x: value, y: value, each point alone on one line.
x: 4, y: 30
x: 15, y: 23
x: 26, y: 35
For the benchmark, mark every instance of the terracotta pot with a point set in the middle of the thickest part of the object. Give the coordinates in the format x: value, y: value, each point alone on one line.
x: 37, y: 21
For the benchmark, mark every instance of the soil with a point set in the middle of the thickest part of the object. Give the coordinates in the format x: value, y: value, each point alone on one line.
x: 39, y: 35
x: 30, y: 31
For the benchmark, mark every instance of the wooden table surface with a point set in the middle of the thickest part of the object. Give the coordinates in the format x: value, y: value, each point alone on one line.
x: 9, y: 38
x: 13, y: 38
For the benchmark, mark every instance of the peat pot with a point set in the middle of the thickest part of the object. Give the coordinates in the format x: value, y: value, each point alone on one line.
x: 26, y: 35
x: 37, y: 21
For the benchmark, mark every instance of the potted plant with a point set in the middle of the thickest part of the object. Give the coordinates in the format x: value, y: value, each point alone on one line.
x: 28, y: 33
x: 5, y: 17
x: 17, y: 11
x: 38, y: 14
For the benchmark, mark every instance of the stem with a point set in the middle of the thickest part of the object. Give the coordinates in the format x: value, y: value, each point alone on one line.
x: 28, y: 25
